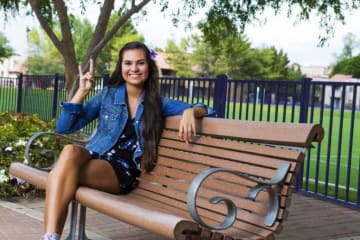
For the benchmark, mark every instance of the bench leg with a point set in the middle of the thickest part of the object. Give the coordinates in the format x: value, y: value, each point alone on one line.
x: 74, y: 221
x: 82, y: 220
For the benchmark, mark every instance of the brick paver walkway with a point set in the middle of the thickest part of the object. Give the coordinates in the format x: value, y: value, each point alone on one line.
x: 309, y: 219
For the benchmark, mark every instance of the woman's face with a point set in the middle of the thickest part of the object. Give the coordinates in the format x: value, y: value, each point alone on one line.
x: 134, y: 67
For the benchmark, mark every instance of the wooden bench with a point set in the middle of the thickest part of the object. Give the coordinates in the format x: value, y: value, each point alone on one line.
x: 245, y: 168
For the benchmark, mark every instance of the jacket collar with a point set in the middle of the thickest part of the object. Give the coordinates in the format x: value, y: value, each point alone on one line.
x: 120, y: 95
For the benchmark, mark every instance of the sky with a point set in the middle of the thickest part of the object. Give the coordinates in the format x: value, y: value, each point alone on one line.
x: 299, y: 41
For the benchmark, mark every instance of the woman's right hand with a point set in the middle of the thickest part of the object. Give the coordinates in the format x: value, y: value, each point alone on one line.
x: 86, y: 83
x: 86, y: 79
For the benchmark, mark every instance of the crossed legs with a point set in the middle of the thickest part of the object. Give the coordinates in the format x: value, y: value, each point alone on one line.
x: 74, y: 167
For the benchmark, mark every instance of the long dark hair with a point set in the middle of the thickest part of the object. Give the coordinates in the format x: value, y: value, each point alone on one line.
x: 152, y: 120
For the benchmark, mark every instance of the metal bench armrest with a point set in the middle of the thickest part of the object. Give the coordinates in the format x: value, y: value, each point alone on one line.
x: 37, y: 135
x: 262, y: 184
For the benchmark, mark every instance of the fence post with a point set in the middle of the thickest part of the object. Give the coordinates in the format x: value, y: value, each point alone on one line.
x: 304, y: 100
x: 55, y: 95
x: 304, y: 105
x: 20, y: 92
x: 220, y: 94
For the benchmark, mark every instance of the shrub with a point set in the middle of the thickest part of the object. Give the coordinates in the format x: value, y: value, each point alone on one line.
x: 15, y: 131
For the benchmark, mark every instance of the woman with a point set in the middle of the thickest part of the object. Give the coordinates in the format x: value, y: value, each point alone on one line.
x: 130, y: 115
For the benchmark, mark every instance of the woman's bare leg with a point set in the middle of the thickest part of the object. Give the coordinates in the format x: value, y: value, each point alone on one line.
x: 74, y: 166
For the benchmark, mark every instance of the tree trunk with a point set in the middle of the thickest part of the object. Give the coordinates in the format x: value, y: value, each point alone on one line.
x: 65, y: 44
x: 71, y: 73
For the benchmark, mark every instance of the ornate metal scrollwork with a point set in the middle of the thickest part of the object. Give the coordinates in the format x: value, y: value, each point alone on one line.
x: 262, y: 184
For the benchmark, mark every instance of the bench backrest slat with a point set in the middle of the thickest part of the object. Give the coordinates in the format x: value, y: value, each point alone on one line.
x: 235, y: 145
x: 262, y: 164
x: 289, y: 134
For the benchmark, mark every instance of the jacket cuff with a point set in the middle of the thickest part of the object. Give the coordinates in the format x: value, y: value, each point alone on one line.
x: 210, y: 112
x: 74, y: 108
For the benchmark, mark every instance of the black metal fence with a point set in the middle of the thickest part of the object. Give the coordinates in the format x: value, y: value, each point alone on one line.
x: 331, y: 169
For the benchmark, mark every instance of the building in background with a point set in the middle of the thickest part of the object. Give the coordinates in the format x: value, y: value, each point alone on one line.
x: 316, y: 72
x: 11, y: 67
x: 165, y: 68
x: 342, y: 94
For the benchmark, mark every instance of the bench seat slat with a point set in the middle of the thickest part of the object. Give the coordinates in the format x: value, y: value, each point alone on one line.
x: 29, y: 174
x: 141, y: 215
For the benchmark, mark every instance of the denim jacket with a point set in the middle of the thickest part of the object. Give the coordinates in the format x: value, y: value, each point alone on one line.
x: 109, y: 106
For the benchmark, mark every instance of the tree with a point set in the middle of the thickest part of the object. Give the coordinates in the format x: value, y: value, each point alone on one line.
x: 348, y: 66
x: 350, y: 44
x: 231, y: 56
x: 228, y: 15
x: 235, y: 57
x: 202, y: 58
x: 274, y: 63
x: 294, y: 73
x: 178, y: 56
x: 347, y: 63
x: 43, y: 57
x: 49, y: 12
x: 126, y: 33
x: 5, y: 49
x: 234, y: 15
x: 41, y: 50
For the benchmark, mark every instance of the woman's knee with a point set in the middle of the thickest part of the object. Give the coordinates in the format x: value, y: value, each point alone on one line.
x: 72, y: 156
x: 73, y: 150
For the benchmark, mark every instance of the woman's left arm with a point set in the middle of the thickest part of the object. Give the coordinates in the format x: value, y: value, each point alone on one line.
x: 187, y: 128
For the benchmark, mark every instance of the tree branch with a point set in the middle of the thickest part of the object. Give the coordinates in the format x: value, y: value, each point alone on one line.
x: 134, y: 9
x: 36, y: 6
x: 61, y: 10
x: 100, y: 28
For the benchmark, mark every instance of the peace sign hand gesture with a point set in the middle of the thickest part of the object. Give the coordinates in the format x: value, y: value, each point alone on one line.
x: 86, y: 79
x: 86, y: 83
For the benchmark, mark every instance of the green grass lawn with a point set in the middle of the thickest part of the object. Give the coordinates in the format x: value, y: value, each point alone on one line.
x: 340, y: 147
x: 8, y: 102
